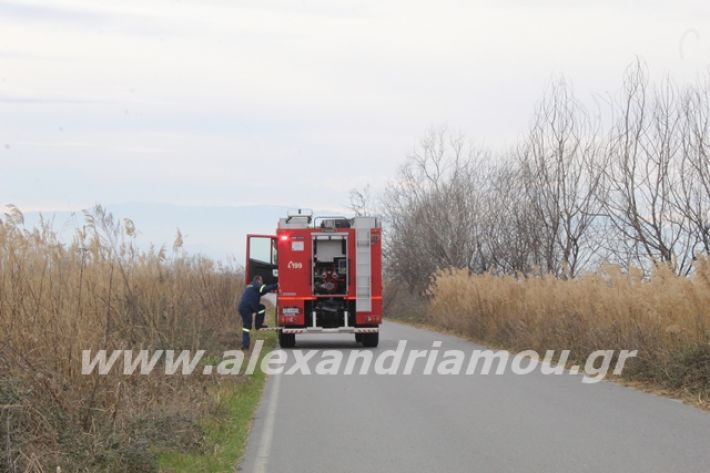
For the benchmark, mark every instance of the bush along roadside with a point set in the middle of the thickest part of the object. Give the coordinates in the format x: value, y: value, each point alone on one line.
x: 665, y: 317
x: 101, y: 291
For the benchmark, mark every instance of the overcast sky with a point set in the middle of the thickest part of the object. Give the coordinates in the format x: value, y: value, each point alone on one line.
x: 199, y: 102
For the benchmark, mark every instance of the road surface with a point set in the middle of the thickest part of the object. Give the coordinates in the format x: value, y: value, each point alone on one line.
x: 507, y: 423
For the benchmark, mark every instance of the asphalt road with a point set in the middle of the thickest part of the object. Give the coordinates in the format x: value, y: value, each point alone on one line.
x: 507, y: 423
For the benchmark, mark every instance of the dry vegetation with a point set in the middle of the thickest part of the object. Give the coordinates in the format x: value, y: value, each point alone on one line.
x: 629, y: 185
x: 518, y: 248
x: 665, y: 317
x: 100, y: 291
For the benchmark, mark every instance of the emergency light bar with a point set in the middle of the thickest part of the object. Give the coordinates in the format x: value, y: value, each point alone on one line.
x: 300, y: 213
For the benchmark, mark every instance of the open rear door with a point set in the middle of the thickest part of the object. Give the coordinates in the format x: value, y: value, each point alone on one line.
x: 262, y: 258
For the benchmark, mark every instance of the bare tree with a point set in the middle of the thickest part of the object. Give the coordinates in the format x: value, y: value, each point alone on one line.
x: 558, y: 163
x: 695, y: 166
x: 567, y: 198
x: 361, y: 201
x: 643, y: 174
x: 432, y: 209
x: 509, y: 240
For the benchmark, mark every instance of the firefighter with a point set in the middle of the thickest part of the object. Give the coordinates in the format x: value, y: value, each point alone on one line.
x: 250, y: 305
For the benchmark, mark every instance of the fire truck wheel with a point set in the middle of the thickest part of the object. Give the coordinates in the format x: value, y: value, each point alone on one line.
x: 287, y: 340
x: 370, y: 340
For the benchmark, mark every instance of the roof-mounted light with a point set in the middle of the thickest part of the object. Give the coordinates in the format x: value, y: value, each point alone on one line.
x: 300, y: 214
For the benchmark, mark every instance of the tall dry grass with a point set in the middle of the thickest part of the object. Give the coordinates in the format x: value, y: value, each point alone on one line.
x: 665, y: 317
x: 100, y: 292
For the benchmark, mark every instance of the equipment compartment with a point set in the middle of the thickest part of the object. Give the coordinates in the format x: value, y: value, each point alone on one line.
x: 330, y: 265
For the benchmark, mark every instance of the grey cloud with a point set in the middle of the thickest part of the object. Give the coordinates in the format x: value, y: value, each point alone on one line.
x: 107, y: 20
x: 45, y: 100
x: 53, y: 13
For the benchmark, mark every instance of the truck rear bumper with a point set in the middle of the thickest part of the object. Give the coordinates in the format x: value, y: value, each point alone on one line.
x: 330, y: 330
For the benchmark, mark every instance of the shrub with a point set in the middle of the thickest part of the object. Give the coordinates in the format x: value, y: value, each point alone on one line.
x: 101, y: 292
x: 665, y: 317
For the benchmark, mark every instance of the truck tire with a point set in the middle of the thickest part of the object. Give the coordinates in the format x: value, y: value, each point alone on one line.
x: 358, y: 338
x: 370, y: 340
x: 287, y: 340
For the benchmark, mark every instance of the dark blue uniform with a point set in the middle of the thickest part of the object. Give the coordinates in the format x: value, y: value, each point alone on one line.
x: 249, y: 304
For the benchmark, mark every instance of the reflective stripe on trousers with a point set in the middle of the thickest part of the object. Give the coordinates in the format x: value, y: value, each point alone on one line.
x: 246, y: 328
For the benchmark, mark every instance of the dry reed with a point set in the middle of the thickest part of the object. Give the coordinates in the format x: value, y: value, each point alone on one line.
x: 100, y: 292
x: 665, y: 317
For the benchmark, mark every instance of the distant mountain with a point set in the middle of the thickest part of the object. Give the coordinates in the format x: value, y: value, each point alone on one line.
x: 217, y: 232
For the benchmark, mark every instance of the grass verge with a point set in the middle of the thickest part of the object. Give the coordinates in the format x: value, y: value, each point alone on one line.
x: 227, y: 430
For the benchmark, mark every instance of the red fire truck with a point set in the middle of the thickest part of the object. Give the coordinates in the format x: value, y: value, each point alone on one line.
x: 329, y: 271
